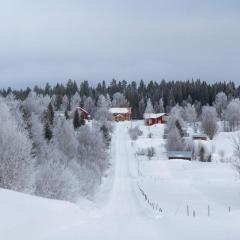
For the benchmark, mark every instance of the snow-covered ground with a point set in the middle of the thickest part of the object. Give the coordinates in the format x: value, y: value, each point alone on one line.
x: 121, y: 211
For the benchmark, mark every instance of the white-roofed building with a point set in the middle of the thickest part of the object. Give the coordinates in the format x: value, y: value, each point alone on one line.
x: 154, y: 118
x: 121, y: 114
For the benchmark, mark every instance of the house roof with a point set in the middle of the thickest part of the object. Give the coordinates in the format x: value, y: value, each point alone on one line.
x: 199, y: 135
x: 120, y: 110
x: 179, y: 154
x: 153, y: 115
x: 83, y: 110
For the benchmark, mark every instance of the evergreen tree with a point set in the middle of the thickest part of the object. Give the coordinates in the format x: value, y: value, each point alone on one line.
x: 66, y: 114
x: 47, y: 131
x: 106, y: 135
x: 50, y: 114
x: 76, y: 120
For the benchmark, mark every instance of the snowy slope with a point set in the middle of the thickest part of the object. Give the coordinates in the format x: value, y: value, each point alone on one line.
x: 120, y: 210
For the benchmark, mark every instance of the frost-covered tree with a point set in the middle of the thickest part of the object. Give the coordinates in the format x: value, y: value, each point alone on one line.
x: 221, y: 102
x: 89, y: 105
x: 35, y: 103
x: 92, y: 150
x: 149, y: 107
x: 75, y: 101
x: 190, y: 114
x: 65, y: 138
x: 209, y: 121
x: 102, y: 114
x: 141, y: 107
x: 16, y: 164
x: 232, y: 114
x: 174, y: 140
x: 134, y: 133
x: 56, y: 180
x: 174, y: 129
x: 119, y: 100
x: 65, y: 103
x: 175, y: 118
x: 159, y: 106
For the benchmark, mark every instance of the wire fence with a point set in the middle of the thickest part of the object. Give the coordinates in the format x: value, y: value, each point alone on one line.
x: 187, y: 210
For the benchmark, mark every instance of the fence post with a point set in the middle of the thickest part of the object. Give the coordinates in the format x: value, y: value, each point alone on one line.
x: 208, y: 211
x: 194, y: 213
x: 229, y: 209
x: 187, y: 210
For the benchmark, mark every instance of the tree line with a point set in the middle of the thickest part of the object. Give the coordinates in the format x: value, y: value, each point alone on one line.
x: 164, y: 93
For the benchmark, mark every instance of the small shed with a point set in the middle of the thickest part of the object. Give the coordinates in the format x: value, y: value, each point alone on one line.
x: 84, y: 112
x: 154, y: 118
x: 121, y: 114
x: 184, y: 155
x: 199, y: 137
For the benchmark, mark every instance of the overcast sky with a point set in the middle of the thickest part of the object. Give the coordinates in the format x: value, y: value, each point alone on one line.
x: 54, y: 40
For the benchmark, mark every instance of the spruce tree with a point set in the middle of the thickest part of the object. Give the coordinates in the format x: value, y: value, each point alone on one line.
x: 76, y: 120
x: 50, y: 113
x: 106, y: 135
x: 47, y: 131
x: 66, y: 114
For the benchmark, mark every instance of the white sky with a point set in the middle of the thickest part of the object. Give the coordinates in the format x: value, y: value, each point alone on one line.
x: 54, y: 40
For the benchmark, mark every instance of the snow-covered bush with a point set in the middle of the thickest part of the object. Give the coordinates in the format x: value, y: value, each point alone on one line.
x: 134, y: 133
x: 149, y: 152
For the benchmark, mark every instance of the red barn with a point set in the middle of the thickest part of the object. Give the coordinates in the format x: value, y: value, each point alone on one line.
x: 84, y: 112
x: 154, y: 118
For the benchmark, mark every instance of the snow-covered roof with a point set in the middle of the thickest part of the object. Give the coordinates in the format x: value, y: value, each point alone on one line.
x: 119, y: 110
x: 81, y: 109
x: 179, y: 154
x: 153, y: 115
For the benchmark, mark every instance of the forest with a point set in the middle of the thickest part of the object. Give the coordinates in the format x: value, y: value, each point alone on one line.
x: 196, y: 92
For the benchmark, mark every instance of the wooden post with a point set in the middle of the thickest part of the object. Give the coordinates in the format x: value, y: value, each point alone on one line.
x: 229, y: 209
x: 187, y: 210
x: 194, y: 213
x: 208, y: 211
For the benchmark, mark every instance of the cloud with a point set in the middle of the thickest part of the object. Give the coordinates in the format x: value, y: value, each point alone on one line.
x: 54, y: 40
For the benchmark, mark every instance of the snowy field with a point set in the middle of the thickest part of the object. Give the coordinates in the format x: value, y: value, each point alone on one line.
x: 120, y: 209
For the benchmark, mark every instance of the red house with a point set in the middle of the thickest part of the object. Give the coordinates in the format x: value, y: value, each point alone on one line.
x: 154, y: 118
x: 121, y: 114
x: 84, y: 112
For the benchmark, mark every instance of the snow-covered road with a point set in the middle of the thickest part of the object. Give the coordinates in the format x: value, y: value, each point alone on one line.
x: 122, y: 216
